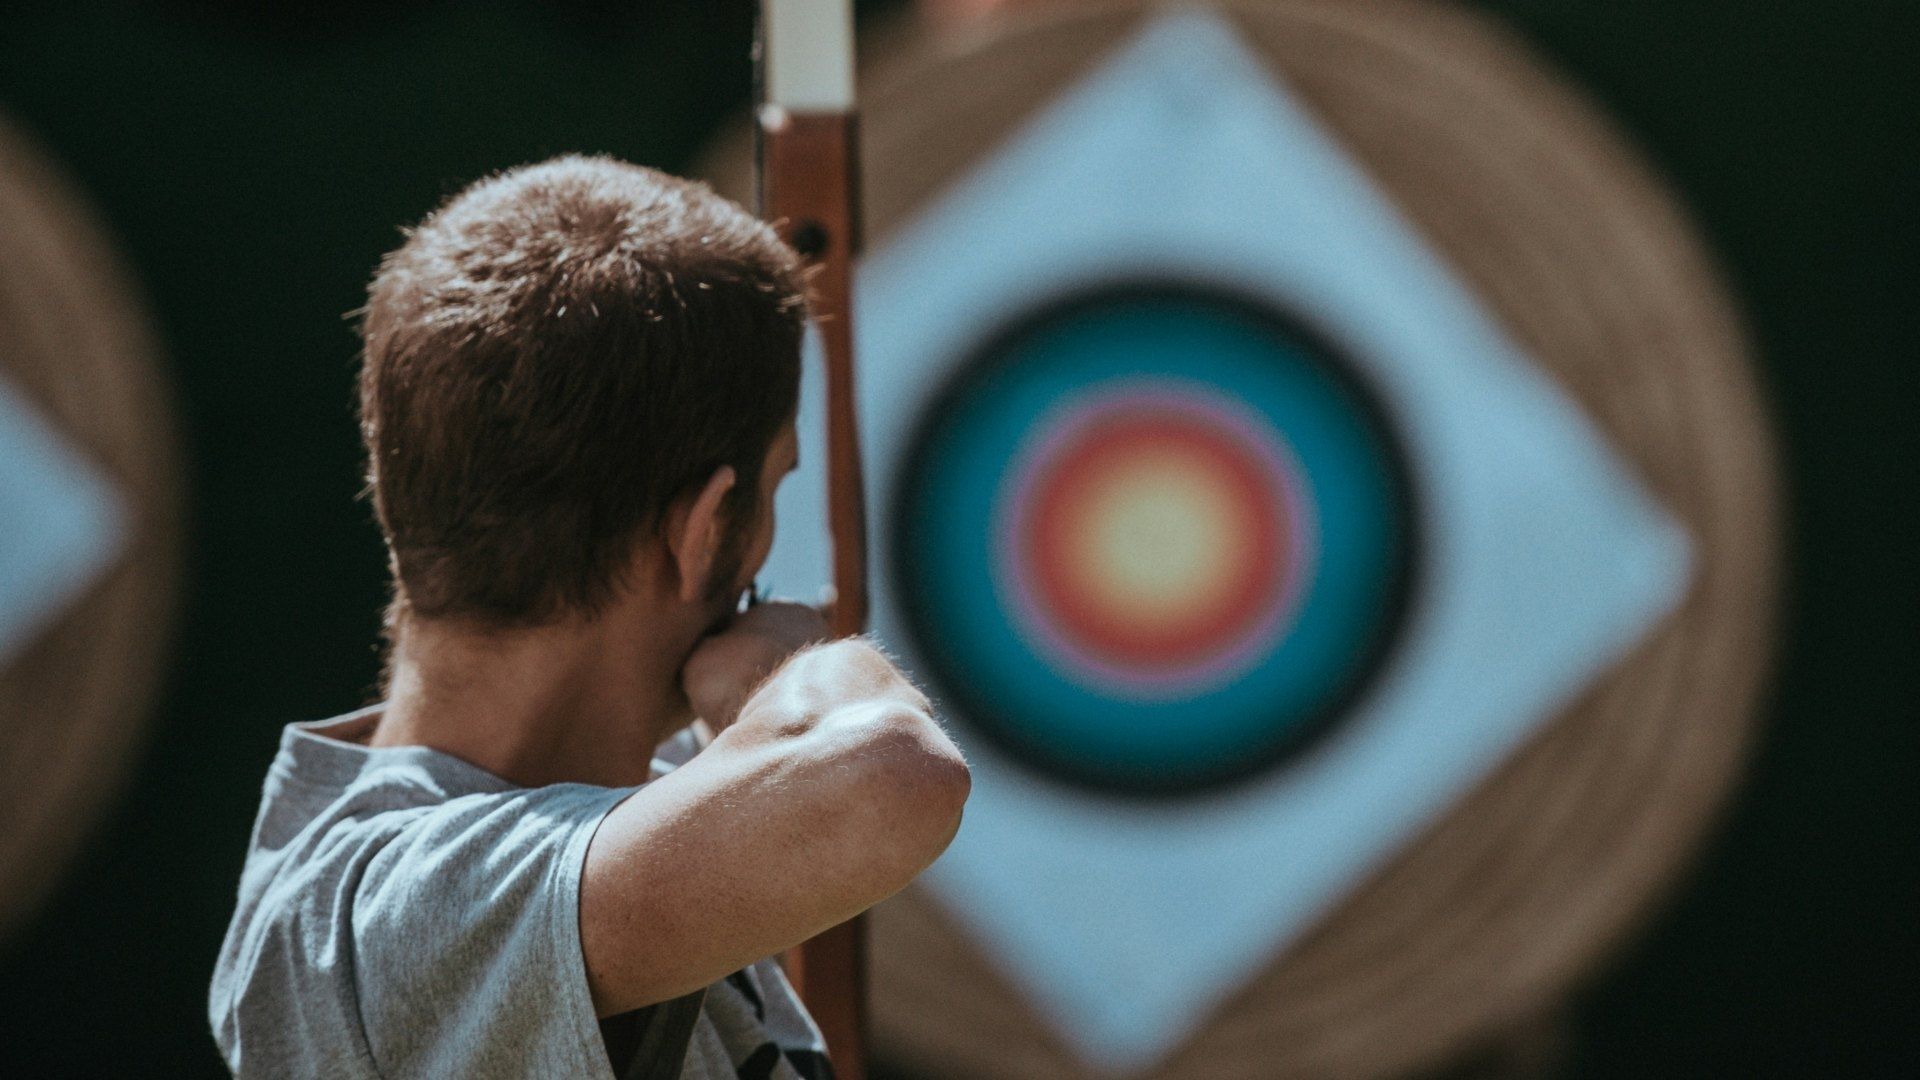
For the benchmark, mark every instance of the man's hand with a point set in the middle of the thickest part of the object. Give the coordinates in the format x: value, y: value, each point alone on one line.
x: 724, y: 668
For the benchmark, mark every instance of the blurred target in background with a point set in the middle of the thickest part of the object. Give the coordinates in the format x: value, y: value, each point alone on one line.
x: 1320, y: 480
x: 89, y: 516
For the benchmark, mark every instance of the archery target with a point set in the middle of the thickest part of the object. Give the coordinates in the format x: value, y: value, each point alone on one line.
x: 1152, y: 538
x: 1549, y: 677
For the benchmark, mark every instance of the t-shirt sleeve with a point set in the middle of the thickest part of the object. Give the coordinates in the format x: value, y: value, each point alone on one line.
x: 466, y: 935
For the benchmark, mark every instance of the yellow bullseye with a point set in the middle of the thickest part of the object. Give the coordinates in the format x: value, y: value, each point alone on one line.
x: 1159, y: 538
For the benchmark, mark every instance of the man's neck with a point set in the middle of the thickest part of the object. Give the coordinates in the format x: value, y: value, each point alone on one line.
x: 574, y: 702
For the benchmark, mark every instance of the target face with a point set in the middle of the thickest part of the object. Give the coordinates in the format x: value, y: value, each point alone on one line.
x: 1151, y: 538
x: 1142, y: 532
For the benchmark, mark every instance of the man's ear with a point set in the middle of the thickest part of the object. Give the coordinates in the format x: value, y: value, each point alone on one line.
x: 694, y: 532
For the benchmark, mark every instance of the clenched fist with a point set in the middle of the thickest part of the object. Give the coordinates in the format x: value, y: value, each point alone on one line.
x: 724, y: 668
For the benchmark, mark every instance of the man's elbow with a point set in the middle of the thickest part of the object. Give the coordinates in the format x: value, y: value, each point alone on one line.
x: 914, y: 782
x: 941, y: 780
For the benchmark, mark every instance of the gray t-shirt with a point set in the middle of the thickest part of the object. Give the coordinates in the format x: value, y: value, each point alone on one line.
x: 403, y: 914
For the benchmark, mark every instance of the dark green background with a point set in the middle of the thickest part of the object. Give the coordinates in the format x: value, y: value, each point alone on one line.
x: 255, y: 161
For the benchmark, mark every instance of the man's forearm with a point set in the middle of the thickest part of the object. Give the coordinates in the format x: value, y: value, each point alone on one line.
x: 833, y: 789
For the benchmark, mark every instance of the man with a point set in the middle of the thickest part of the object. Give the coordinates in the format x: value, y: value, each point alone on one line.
x: 577, y: 398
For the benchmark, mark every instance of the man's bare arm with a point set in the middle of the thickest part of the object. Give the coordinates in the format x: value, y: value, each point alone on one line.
x: 831, y: 791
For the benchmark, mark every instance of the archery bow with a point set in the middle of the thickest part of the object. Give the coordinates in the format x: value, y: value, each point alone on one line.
x: 808, y: 174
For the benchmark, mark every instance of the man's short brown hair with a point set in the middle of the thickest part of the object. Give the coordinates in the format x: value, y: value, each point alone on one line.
x: 552, y: 358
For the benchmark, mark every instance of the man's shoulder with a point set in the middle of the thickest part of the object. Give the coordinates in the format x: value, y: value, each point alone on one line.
x: 365, y: 903
x: 333, y: 852
x: 398, y: 820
